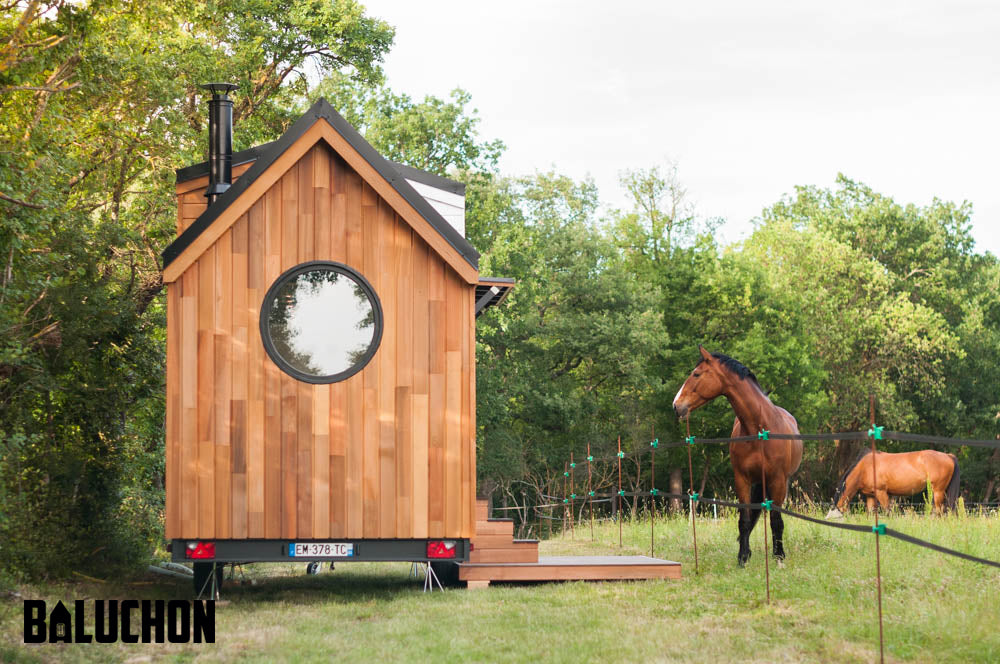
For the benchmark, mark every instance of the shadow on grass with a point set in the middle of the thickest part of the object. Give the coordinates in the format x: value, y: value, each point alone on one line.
x: 340, y: 586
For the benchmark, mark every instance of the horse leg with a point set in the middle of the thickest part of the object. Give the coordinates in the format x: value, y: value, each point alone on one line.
x: 779, y: 492
x: 742, y: 487
x: 883, y: 499
x: 938, y: 501
x: 870, y: 502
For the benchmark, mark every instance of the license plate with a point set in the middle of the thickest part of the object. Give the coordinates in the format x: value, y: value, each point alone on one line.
x: 320, y: 549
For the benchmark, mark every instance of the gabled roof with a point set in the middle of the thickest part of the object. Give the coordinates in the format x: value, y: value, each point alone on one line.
x: 250, y: 155
x: 406, y: 201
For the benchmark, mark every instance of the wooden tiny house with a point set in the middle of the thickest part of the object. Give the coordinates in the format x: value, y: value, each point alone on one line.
x: 258, y: 451
x: 321, y: 392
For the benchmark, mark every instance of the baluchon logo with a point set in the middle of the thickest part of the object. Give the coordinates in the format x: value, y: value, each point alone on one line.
x: 129, y: 621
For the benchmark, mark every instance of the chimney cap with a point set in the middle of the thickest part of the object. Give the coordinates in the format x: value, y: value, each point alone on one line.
x: 219, y: 89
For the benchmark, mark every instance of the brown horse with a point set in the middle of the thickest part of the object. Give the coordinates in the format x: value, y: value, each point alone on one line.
x: 760, y: 468
x: 902, y: 474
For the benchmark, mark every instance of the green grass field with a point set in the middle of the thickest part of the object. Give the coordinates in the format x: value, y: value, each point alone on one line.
x: 823, y: 606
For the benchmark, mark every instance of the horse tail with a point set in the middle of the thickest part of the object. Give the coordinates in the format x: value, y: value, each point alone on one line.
x: 951, y: 495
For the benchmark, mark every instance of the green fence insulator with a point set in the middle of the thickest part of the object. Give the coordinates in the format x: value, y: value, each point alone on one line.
x: 565, y: 500
x: 763, y: 435
x: 566, y: 474
x: 767, y: 505
x: 621, y: 493
x: 655, y: 442
x: 589, y: 458
x: 572, y: 496
x: 572, y: 465
x: 879, y: 529
x: 621, y: 455
x: 591, y: 494
x: 875, y: 432
x: 695, y: 497
x: 654, y: 492
x: 689, y: 440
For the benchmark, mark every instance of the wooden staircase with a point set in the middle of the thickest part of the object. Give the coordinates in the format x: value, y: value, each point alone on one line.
x: 497, y: 556
x: 494, y: 541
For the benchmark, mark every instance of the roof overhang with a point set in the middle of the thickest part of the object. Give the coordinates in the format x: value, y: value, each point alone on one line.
x: 491, y: 291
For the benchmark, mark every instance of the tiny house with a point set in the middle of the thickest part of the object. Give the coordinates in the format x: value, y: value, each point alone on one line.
x: 321, y: 305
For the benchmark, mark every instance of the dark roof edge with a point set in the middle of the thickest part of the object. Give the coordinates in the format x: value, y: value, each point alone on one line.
x: 271, y: 151
x: 195, y: 171
x: 430, y: 179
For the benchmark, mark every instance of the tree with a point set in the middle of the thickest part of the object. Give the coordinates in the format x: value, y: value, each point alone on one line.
x: 100, y: 103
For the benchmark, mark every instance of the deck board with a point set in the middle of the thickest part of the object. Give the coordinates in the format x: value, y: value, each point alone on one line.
x: 573, y: 568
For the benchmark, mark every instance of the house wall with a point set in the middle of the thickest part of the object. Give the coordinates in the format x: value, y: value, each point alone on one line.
x: 253, y: 453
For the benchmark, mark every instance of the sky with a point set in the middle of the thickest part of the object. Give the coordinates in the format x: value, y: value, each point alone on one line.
x: 748, y: 99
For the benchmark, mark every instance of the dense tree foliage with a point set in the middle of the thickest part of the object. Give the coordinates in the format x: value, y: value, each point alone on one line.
x: 840, y: 294
x: 99, y: 103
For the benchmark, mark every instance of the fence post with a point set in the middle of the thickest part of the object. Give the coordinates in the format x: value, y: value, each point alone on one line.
x: 572, y: 495
x: 693, y: 496
x: 590, y: 492
x: 652, y: 494
x: 761, y: 437
x: 875, y: 434
x: 620, y: 495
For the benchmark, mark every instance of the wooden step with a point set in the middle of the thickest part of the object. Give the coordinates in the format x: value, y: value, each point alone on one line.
x: 495, y: 527
x: 482, y: 510
x: 495, y: 541
x: 521, y: 554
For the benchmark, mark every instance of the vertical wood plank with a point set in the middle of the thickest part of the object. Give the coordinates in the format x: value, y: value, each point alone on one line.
x: 421, y: 387
x: 240, y: 373
x: 306, y: 226
x: 467, y: 445
x: 223, y: 383
x: 436, y: 398
x: 387, y: 251
x: 256, y: 409
x: 453, y: 407
x: 371, y: 413
x: 188, y: 456
x: 402, y: 341
x: 272, y: 381
x: 206, y: 395
x: 358, y: 386
x: 173, y: 420
x: 338, y: 391
x: 321, y: 398
x: 289, y: 386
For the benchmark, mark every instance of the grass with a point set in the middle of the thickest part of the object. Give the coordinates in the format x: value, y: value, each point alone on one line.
x: 823, y: 605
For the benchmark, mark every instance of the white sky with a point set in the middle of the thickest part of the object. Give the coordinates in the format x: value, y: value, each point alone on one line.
x: 750, y: 99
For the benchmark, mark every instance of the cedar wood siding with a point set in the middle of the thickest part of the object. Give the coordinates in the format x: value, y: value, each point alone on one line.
x: 254, y: 453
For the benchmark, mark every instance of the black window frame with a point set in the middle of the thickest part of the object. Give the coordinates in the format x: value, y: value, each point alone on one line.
x: 268, y: 302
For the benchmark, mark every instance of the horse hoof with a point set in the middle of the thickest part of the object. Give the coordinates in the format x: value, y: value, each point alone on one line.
x: 781, y: 563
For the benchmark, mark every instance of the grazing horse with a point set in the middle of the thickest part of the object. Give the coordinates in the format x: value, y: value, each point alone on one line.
x: 902, y: 474
x: 761, y: 469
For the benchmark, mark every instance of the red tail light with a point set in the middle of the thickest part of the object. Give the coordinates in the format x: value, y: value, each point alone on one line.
x: 197, y: 550
x: 441, y: 549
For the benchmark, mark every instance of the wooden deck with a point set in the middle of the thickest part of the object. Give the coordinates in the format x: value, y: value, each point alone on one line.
x: 497, y: 556
x: 571, y: 568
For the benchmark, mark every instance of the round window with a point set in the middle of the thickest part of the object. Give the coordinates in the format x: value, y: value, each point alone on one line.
x: 321, y: 322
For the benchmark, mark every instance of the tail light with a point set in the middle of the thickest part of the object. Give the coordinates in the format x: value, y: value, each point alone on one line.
x: 441, y: 549
x: 200, y: 550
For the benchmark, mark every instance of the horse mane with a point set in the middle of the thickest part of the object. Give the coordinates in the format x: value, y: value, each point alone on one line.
x: 734, y: 366
x: 842, y: 484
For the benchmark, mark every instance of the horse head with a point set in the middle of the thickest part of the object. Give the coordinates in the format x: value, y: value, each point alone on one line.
x: 706, y: 381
